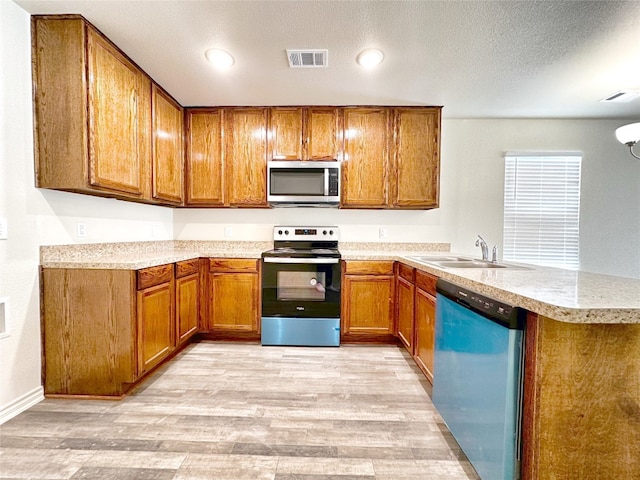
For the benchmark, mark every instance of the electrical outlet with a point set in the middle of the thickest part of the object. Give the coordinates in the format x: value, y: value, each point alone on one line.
x: 382, y: 233
x: 228, y: 231
x: 3, y: 229
x: 82, y: 230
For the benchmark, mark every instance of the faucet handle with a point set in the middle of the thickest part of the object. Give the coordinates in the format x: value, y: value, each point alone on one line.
x: 494, y: 254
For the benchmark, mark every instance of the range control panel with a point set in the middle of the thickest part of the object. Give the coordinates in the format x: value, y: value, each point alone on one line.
x: 323, y: 233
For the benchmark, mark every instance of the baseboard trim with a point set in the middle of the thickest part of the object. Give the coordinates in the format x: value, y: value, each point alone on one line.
x: 20, y: 404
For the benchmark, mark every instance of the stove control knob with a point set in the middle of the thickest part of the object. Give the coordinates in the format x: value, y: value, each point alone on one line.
x: 286, y: 232
x: 324, y: 232
x: 330, y: 232
x: 279, y: 232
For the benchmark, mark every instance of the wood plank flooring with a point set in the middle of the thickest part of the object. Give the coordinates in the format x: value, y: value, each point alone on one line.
x: 242, y: 411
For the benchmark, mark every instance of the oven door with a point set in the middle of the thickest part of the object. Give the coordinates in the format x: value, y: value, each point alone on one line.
x: 301, y: 287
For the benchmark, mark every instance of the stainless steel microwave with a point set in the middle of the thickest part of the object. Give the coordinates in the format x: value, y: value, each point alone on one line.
x: 309, y: 183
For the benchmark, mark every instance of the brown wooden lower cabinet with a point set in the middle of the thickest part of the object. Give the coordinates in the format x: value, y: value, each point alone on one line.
x: 234, y: 296
x: 88, y: 331
x: 581, y: 401
x: 405, y: 306
x: 367, y: 300
x: 187, y: 299
x: 156, y: 324
x: 103, y: 330
x: 425, y: 322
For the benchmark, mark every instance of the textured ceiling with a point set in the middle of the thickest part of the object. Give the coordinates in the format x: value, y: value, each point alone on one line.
x: 552, y: 59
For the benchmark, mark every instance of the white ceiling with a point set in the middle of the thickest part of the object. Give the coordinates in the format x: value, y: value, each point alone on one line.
x: 530, y: 59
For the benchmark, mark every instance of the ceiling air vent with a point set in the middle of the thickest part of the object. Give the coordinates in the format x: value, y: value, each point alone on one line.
x: 308, y: 58
x: 622, y: 97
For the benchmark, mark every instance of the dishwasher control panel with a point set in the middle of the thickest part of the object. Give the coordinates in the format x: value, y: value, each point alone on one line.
x: 508, y: 315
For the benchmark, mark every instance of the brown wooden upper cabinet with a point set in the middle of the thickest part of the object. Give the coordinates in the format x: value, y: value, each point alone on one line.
x: 226, y: 159
x: 365, y: 167
x: 304, y: 133
x: 391, y: 157
x: 103, y: 127
x: 246, y: 157
x: 168, y: 147
x: 416, y: 157
x: 92, y: 112
x: 204, y: 157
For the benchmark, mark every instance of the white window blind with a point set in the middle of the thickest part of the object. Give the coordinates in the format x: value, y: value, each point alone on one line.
x: 542, y: 209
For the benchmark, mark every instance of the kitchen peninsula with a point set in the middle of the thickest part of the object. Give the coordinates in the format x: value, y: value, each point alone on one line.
x: 581, y: 415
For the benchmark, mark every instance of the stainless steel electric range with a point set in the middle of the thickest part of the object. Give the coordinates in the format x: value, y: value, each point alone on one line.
x: 301, y: 287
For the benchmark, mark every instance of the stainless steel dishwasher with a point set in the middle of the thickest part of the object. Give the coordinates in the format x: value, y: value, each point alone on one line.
x: 477, y: 385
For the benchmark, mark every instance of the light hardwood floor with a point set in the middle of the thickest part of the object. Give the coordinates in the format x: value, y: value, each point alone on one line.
x: 242, y: 411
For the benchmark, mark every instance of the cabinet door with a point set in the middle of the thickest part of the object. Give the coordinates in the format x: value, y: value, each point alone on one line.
x: 204, y: 162
x: 155, y: 324
x: 234, y: 301
x: 405, y: 294
x: 425, y: 319
x: 285, y: 134
x: 168, y: 161
x: 323, y: 134
x: 365, y: 166
x: 114, y: 104
x: 416, y: 157
x: 88, y: 331
x: 368, y: 304
x: 187, y: 307
x: 246, y: 157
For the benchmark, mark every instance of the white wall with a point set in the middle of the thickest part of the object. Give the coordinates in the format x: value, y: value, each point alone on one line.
x: 610, y: 188
x: 40, y: 217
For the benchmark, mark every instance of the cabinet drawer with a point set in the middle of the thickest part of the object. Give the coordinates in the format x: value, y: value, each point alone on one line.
x: 427, y: 282
x: 233, y: 265
x: 406, y: 272
x: 368, y: 267
x: 187, y: 267
x: 148, y: 277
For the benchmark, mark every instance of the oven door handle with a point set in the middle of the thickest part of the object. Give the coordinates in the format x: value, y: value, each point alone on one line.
x: 300, y: 260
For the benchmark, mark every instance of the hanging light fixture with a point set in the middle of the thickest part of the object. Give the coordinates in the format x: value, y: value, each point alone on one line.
x: 629, y: 135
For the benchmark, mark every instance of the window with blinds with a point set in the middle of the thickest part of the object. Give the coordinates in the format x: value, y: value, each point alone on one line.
x: 542, y: 209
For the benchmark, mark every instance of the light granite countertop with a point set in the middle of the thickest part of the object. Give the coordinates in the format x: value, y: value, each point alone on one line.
x: 564, y: 295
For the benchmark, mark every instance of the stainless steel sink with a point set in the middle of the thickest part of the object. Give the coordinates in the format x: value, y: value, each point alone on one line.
x: 436, y: 258
x: 453, y: 261
x: 470, y: 264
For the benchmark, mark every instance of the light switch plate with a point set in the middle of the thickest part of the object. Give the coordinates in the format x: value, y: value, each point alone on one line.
x: 4, y: 234
x: 82, y: 230
x: 4, y: 320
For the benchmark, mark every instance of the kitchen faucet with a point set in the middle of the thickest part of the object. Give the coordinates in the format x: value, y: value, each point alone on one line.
x: 485, y: 250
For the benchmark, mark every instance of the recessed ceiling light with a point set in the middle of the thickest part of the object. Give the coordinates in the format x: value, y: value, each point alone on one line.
x: 219, y: 58
x: 370, y: 57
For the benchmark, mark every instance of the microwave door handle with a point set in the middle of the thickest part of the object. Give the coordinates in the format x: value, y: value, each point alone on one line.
x: 300, y: 260
x: 326, y: 182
